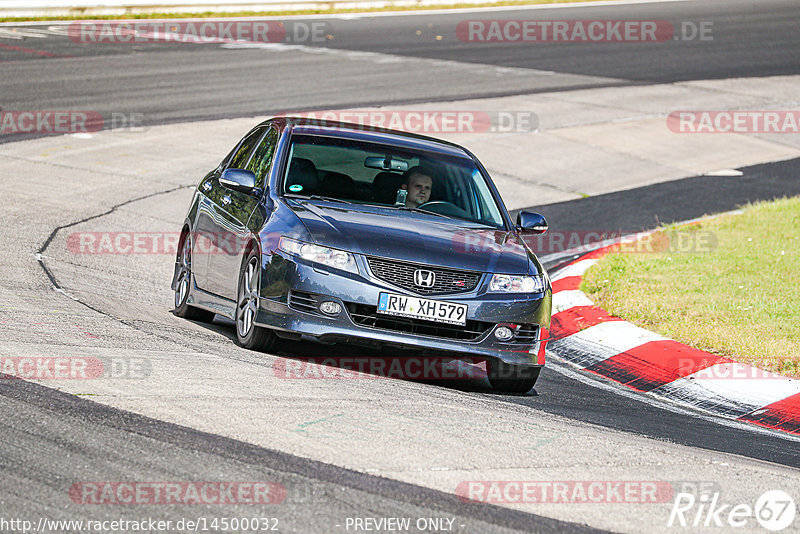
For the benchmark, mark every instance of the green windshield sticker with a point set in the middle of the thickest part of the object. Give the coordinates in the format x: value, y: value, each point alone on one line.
x: 295, y: 188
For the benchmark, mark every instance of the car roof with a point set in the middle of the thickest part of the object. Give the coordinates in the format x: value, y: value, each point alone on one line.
x: 365, y: 132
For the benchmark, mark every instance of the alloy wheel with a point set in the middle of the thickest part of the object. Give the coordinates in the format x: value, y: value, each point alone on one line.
x: 248, y: 298
x: 185, y: 274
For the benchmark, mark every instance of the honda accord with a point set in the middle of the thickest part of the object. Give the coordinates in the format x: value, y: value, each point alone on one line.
x: 344, y: 233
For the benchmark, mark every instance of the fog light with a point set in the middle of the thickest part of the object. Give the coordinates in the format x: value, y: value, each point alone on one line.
x: 330, y: 308
x: 503, y: 333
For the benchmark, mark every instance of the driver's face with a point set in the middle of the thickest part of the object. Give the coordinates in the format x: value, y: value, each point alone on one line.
x: 419, y: 189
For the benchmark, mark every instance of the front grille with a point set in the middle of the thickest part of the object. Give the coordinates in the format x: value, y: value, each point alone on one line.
x: 365, y: 315
x: 401, y: 274
x: 304, y: 302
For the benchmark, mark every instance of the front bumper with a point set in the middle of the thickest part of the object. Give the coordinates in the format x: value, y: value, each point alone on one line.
x: 278, y: 310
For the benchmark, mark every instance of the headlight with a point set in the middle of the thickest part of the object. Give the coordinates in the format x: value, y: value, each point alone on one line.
x: 332, y: 257
x: 508, y: 283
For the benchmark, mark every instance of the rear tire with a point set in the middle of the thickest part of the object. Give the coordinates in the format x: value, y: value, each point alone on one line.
x: 184, y: 284
x: 511, y: 378
x: 248, y: 335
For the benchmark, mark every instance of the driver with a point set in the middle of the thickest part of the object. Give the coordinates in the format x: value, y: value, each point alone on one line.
x: 418, y: 183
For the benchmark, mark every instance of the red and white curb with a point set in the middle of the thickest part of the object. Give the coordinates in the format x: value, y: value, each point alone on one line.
x: 591, y: 339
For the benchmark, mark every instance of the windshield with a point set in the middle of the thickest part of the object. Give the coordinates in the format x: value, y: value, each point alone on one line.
x: 359, y: 172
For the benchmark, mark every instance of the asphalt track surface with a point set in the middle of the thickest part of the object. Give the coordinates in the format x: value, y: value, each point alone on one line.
x: 42, y: 428
x: 91, y: 441
x: 174, y: 82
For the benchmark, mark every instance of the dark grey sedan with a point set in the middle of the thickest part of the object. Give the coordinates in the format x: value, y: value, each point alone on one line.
x: 345, y: 233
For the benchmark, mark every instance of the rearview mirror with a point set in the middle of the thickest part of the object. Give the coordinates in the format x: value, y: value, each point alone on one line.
x: 387, y: 164
x: 533, y: 223
x: 238, y: 180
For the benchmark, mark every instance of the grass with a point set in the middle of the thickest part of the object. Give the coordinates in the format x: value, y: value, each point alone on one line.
x: 330, y: 11
x: 737, y: 294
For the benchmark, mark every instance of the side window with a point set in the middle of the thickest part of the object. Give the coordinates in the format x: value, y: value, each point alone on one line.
x: 262, y: 158
x: 224, y: 163
x: 243, y: 152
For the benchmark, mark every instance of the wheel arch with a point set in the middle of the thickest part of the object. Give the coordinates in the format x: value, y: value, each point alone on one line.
x: 181, y: 239
x: 252, y: 244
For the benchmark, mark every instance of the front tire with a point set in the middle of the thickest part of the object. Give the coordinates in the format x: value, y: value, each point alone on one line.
x: 248, y: 334
x: 511, y: 378
x: 184, y: 284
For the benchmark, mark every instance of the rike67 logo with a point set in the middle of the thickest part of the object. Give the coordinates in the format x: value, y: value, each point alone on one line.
x: 774, y: 510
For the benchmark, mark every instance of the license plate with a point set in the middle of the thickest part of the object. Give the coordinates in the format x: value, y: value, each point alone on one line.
x: 417, y: 308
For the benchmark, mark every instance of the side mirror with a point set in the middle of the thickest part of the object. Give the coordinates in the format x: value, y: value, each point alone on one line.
x: 533, y: 223
x: 238, y: 180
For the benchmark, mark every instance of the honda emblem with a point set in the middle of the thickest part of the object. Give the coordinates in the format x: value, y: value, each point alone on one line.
x: 423, y: 278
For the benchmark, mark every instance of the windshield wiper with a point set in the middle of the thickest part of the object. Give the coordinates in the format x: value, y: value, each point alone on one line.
x: 417, y: 210
x: 329, y: 199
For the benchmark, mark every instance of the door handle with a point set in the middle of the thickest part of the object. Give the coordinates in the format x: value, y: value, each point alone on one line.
x: 226, y: 200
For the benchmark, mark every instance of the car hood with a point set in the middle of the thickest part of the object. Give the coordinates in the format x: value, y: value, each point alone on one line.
x: 413, y: 236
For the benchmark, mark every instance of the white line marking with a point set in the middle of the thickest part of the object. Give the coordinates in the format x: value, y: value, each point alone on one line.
x: 740, y: 383
x: 34, y: 33
x: 743, y: 371
x: 59, y: 30
x: 724, y: 172
x: 378, y: 57
x: 59, y: 290
x: 581, y: 354
x: 618, y: 336
x: 663, y: 403
x: 564, y: 300
x: 30, y: 33
x: 576, y: 269
x: 422, y: 12
x: 6, y: 34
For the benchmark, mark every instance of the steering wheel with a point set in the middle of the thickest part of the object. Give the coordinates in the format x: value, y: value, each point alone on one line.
x: 443, y: 207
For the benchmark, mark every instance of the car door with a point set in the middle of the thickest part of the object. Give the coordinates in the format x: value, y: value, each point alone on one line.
x: 202, y: 238
x: 233, y: 212
x: 210, y: 237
